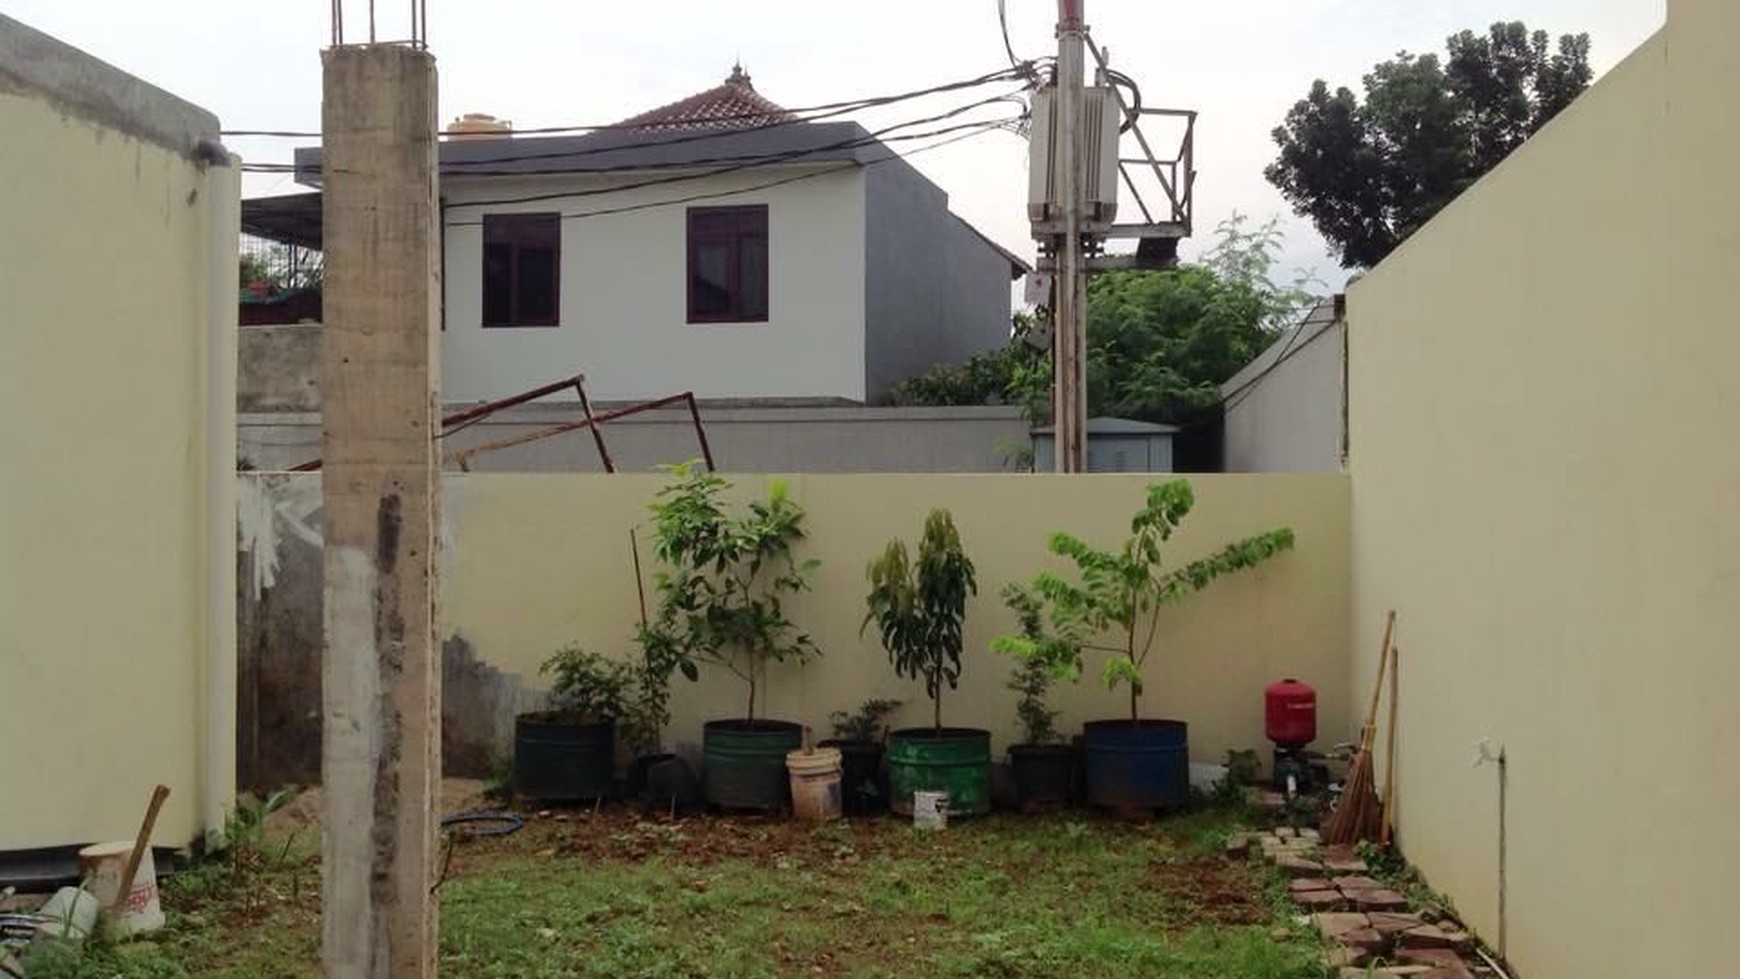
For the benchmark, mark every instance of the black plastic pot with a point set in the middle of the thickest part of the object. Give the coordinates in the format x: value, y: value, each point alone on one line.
x: 743, y: 763
x: 860, y: 769
x: 634, y: 786
x: 1043, y: 773
x: 1136, y: 764
x: 561, y: 758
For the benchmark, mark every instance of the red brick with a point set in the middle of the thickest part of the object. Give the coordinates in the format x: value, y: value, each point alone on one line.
x: 1377, y: 899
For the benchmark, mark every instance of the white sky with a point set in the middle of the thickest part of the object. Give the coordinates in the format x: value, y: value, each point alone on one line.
x: 1241, y: 63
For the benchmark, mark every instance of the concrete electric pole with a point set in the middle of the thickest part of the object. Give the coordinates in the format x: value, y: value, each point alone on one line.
x: 1069, y: 313
x: 1075, y: 169
x: 380, y: 672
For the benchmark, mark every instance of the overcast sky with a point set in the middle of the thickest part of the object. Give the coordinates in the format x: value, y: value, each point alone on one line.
x: 1241, y: 63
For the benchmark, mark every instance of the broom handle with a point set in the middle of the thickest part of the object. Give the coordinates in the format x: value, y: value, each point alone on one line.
x: 140, y: 845
x: 1390, y: 750
x: 1378, y: 687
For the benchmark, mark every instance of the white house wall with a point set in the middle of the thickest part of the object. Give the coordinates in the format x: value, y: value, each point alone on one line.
x: 623, y: 317
x: 1284, y: 409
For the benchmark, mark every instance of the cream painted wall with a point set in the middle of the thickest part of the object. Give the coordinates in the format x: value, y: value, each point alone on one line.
x: 105, y: 277
x: 1545, y: 486
x: 624, y: 295
x: 533, y: 561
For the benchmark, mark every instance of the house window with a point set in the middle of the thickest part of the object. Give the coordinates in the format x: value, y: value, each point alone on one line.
x: 728, y: 264
x: 522, y: 256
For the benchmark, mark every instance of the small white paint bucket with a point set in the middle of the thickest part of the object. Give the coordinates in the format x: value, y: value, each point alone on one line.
x: 71, y: 915
x: 815, y: 784
x: 930, y: 810
x: 103, y: 864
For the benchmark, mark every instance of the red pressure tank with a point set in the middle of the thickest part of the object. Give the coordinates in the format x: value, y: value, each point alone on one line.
x: 1290, y: 713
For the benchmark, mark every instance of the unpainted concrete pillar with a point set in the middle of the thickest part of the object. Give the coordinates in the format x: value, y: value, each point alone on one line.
x: 380, y: 758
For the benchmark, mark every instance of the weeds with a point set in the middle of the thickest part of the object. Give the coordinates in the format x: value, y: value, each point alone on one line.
x: 1387, y: 865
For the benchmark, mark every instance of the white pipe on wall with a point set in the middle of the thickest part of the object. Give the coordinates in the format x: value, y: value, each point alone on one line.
x: 222, y: 200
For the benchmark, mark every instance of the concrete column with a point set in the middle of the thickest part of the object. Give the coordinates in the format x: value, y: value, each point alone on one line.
x: 380, y: 369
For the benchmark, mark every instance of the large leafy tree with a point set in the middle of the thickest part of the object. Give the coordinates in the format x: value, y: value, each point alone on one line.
x: 1159, y: 344
x: 1369, y: 173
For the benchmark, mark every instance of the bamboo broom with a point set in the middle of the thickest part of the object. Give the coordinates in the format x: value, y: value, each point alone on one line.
x: 1359, y: 814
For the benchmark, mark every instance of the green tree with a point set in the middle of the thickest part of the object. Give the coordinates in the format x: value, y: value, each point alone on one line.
x: 1369, y: 174
x: 1159, y: 343
x: 1113, y: 603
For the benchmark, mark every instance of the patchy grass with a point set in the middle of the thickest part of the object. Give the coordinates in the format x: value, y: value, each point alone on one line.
x: 614, y: 895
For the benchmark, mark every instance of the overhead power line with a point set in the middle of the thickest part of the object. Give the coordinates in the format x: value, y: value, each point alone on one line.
x: 826, y: 110
x: 452, y: 168
x: 977, y: 129
x: 1003, y: 22
x: 786, y: 157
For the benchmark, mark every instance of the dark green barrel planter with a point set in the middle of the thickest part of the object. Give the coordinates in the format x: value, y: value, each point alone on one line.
x: 956, y: 760
x: 560, y: 759
x: 743, y: 763
x: 1136, y: 765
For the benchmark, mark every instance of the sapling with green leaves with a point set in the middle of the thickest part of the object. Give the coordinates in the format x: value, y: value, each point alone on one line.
x: 868, y: 723
x: 918, y: 608
x: 587, y: 686
x: 721, y: 595
x: 1032, y: 679
x: 1120, y: 593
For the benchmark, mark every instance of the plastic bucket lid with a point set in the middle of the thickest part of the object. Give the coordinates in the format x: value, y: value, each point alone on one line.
x: 818, y: 762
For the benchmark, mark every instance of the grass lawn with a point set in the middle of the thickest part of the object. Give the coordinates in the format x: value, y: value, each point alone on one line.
x: 614, y: 895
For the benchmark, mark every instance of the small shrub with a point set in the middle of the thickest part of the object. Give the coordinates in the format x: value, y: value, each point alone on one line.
x: 868, y: 723
x: 587, y: 686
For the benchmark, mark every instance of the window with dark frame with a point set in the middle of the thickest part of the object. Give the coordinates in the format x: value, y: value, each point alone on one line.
x: 728, y: 264
x: 522, y: 259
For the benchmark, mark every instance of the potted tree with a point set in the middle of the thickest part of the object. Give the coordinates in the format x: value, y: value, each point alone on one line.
x: 918, y: 608
x: 721, y: 602
x: 569, y: 751
x: 1043, y: 766
x: 859, y: 736
x: 647, y: 708
x: 1133, y: 762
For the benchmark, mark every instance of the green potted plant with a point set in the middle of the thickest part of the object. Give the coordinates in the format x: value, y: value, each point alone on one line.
x: 721, y: 593
x: 918, y: 608
x: 647, y: 708
x: 859, y: 736
x: 568, y: 752
x: 1113, y: 607
x: 1042, y: 765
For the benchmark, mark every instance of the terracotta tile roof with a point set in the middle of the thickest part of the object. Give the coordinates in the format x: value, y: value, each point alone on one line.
x: 733, y: 105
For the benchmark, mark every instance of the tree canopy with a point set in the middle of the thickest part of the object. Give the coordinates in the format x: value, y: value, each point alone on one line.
x: 1369, y: 173
x: 1159, y: 344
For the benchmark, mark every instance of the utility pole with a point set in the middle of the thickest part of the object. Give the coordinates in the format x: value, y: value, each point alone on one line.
x: 381, y: 680
x: 1070, y: 327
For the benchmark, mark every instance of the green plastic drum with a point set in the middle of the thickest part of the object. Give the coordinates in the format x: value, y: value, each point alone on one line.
x: 743, y: 763
x: 956, y: 760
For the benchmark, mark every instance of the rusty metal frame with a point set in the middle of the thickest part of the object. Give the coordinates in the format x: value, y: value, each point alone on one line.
x: 461, y: 420
x: 593, y: 422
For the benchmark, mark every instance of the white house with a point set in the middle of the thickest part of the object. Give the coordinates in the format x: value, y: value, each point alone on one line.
x: 717, y: 244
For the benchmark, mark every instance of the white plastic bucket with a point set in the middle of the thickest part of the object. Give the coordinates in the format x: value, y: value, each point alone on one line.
x: 71, y: 914
x: 815, y: 784
x: 930, y: 810
x: 103, y: 864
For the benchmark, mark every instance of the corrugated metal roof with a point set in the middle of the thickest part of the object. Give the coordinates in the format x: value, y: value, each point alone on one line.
x: 734, y: 105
